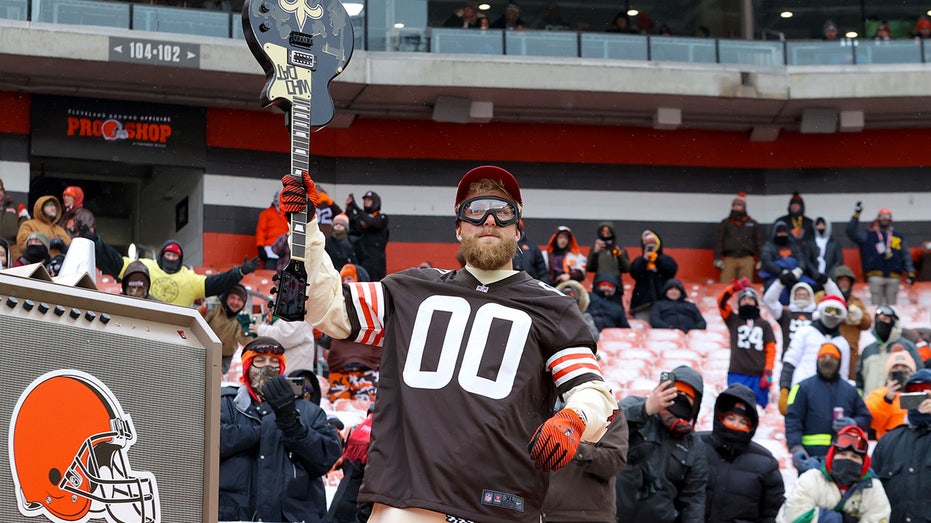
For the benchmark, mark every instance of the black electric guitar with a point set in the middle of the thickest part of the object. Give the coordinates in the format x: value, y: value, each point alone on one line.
x: 301, y: 45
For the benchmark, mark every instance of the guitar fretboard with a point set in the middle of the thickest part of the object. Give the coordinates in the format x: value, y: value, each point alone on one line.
x: 300, y: 162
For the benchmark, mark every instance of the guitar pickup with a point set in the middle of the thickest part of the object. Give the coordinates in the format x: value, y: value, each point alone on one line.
x: 307, y: 60
x: 300, y: 40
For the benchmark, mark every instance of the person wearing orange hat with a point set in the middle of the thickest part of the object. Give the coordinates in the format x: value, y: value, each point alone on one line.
x: 842, y: 488
x: 76, y: 218
x: 473, y: 362
x: 923, y: 28
x: 274, y: 446
x: 820, y: 406
x: 884, y: 255
x: 884, y: 401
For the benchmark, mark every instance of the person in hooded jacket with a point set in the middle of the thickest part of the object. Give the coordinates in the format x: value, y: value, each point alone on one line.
x: 136, y: 281
x: 650, y: 271
x: 884, y: 254
x: 887, y: 331
x: 575, y: 290
x: 744, y: 481
x: 800, y: 360
x: 172, y: 281
x: 796, y: 314
x: 801, y: 227
x: 563, y: 257
x: 11, y: 216
x: 857, y: 319
x: 370, y: 225
x: 826, y: 254
x: 338, y: 244
x: 76, y: 217
x: 884, y: 402
x: 785, y: 258
x: 605, y: 303
x: 810, y: 416
x: 753, y: 343
x: 667, y: 468
x: 6, y: 255
x: 274, y: 447
x: 607, y: 256
x: 900, y: 459
x: 529, y: 258
x: 223, y: 320
x: 47, y: 212
x: 36, y: 250
x: 673, y: 311
x: 842, y: 489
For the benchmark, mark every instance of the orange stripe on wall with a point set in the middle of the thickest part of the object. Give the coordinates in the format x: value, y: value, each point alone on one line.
x: 14, y: 112
x: 525, y: 142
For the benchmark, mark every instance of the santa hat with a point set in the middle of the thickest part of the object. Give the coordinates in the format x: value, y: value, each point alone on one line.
x: 831, y: 301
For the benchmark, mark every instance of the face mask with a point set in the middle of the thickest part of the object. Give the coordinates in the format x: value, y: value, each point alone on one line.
x: 170, y: 267
x: 258, y: 376
x: 830, y: 321
x: 35, y: 253
x: 781, y: 241
x: 748, y: 311
x: 883, y: 330
x: 339, y: 234
x: 827, y: 367
x: 738, y: 214
x: 681, y: 408
x: 846, y: 472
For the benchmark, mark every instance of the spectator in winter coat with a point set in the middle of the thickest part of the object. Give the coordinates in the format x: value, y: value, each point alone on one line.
x: 606, y: 306
x: 272, y: 224
x: 273, y: 447
x: 884, y: 402
x: 650, y: 271
x: 738, y: 241
x: 370, y: 225
x: 575, y: 290
x: 136, y: 281
x: 810, y: 417
x: 826, y: 254
x: 223, y: 320
x: 47, y: 212
x: 606, y: 255
x: 842, y: 489
x: 744, y: 482
x: 901, y: 458
x: 801, y: 227
x: 11, y: 216
x: 338, y: 245
x: 584, y: 490
x: 871, y: 370
x: 563, y: 257
x: 36, y: 251
x: 796, y: 314
x: 785, y: 258
x: 666, y: 476
x: 857, y: 320
x: 673, y: 311
x: 529, y: 258
x: 884, y: 255
x: 800, y: 361
x: 76, y: 218
x: 753, y: 344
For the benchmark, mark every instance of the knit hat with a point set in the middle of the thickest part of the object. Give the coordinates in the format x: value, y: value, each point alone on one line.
x: 923, y: 23
x: 748, y: 292
x: 341, y: 218
x: 797, y: 198
x: 349, y: 270
x: 38, y: 236
x: 173, y: 246
x: 832, y: 301
x: 513, y: 8
x: 900, y: 358
x: 884, y: 213
x: 263, y: 345
x: 239, y: 290
x: 686, y: 389
x: 741, y: 198
x: 829, y: 349
x: 828, y: 25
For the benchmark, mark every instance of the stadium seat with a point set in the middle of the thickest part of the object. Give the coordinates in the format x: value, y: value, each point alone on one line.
x: 634, y: 336
x: 664, y: 335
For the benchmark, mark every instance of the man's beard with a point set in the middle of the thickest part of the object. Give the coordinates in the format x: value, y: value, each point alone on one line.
x: 488, y: 257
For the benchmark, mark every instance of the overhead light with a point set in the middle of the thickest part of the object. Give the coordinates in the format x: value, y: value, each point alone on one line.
x: 399, y: 25
x: 353, y: 8
x: 484, y: 7
x: 851, y: 34
x: 786, y: 14
x: 632, y: 12
x: 929, y: 12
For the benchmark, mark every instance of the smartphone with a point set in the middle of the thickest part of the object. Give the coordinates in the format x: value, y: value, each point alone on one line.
x: 297, y: 386
x: 911, y: 400
x: 899, y: 376
x: 667, y: 376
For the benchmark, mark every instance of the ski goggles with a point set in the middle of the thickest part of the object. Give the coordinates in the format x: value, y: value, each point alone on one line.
x: 834, y: 311
x: 265, y: 348
x: 476, y: 211
x: 848, y: 441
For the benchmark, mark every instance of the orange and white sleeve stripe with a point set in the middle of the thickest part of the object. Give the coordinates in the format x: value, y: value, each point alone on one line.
x: 368, y: 301
x: 571, y: 363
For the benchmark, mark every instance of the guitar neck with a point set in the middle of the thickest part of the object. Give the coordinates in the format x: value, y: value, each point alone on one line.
x: 300, y: 162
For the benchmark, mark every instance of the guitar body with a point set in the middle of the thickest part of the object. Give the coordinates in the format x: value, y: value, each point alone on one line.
x: 301, y: 45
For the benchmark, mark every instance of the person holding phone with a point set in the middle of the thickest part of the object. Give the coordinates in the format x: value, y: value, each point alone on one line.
x: 901, y: 457
x: 883, y: 402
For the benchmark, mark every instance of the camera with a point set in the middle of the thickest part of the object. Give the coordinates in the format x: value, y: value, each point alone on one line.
x: 667, y: 376
x: 911, y: 400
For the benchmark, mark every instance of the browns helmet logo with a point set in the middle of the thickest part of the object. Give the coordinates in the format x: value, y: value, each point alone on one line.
x: 68, y: 443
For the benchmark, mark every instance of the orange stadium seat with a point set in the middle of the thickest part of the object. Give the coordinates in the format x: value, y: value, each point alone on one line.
x: 634, y: 336
x: 665, y: 335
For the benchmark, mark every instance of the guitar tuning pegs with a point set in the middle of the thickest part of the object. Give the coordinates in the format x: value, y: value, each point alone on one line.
x: 273, y: 290
x: 265, y: 27
x: 275, y: 277
x: 265, y: 7
x: 271, y: 304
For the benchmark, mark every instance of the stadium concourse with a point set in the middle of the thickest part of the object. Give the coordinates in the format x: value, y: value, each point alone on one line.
x: 631, y: 359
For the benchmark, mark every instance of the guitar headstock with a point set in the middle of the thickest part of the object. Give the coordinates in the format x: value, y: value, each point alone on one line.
x: 301, y: 45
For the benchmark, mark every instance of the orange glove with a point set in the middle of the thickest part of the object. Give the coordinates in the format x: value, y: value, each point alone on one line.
x: 295, y: 194
x: 554, y: 443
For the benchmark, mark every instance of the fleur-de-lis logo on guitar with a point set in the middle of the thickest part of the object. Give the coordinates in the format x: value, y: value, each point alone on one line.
x: 301, y: 48
x: 302, y: 11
